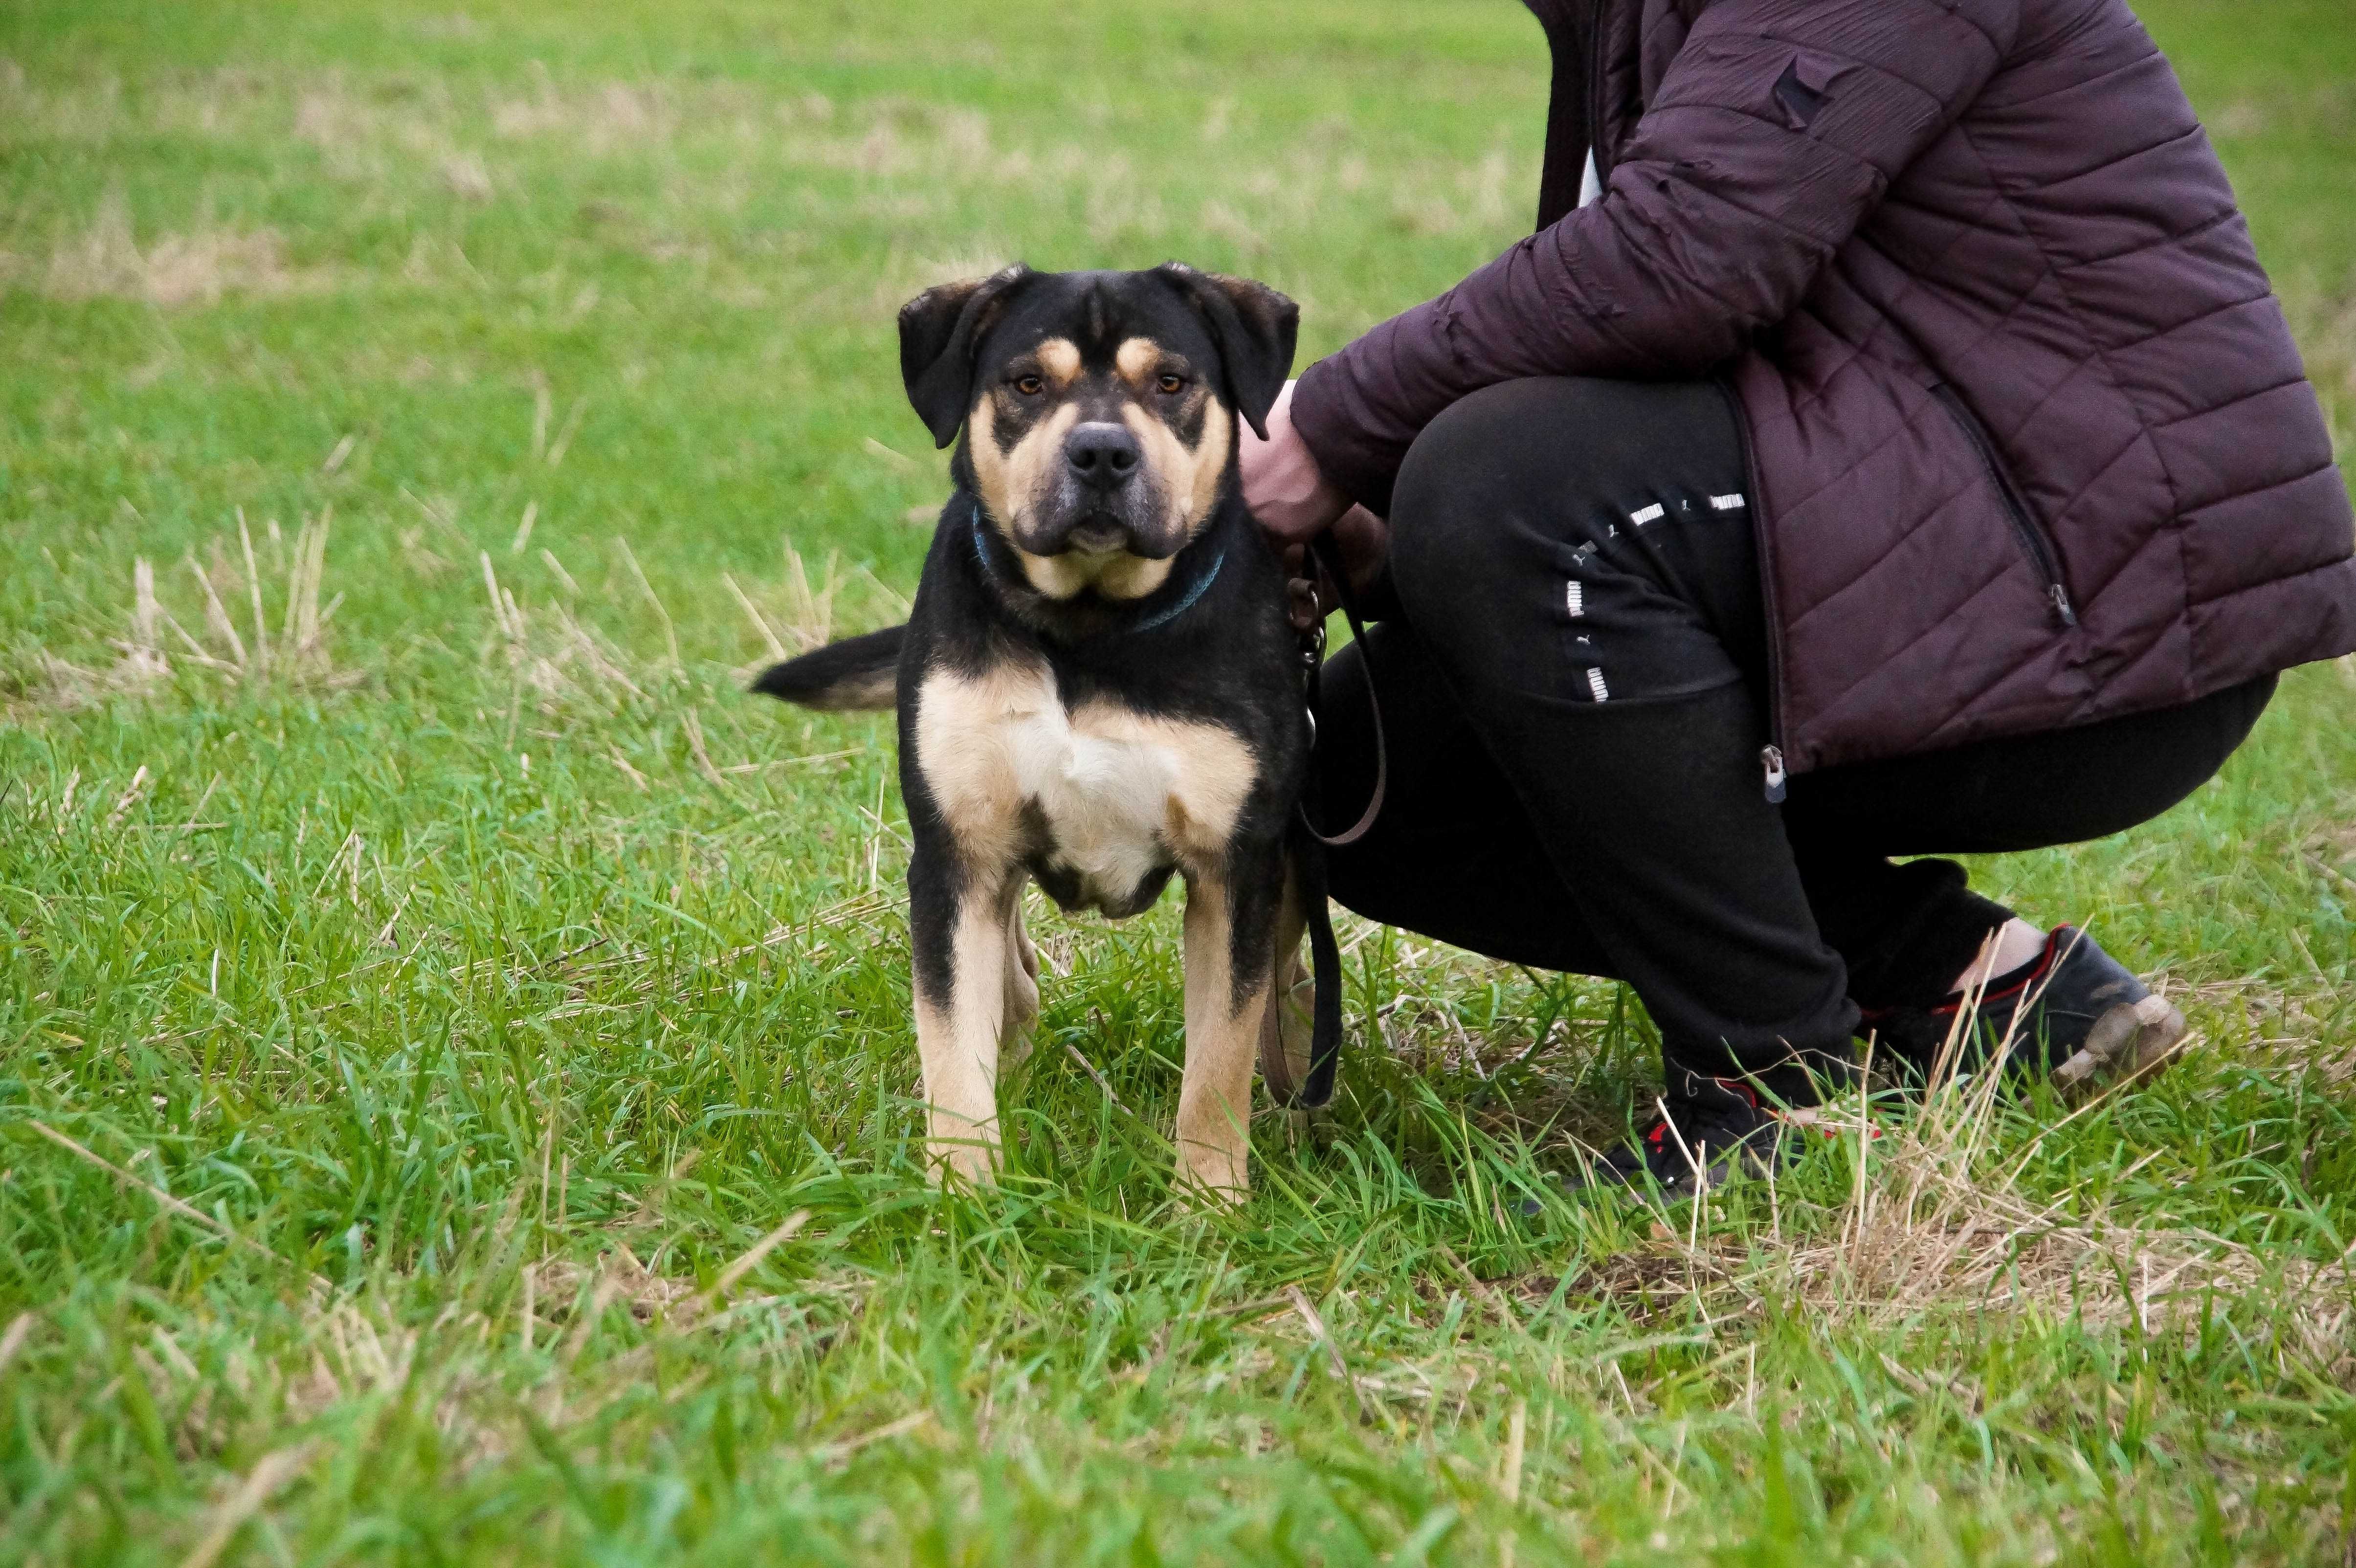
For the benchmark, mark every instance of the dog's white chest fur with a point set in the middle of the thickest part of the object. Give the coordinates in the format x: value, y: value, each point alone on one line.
x: 1121, y: 794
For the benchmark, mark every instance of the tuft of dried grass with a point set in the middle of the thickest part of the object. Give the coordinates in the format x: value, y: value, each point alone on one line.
x: 237, y: 641
x: 794, y: 615
x: 1937, y: 1223
x: 552, y: 653
x: 578, y: 1295
x: 807, y: 616
x: 106, y: 261
x: 613, y: 116
x: 1946, y: 1225
x: 467, y: 175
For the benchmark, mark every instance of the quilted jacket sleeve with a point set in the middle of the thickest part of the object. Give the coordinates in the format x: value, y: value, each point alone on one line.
x: 1776, y: 127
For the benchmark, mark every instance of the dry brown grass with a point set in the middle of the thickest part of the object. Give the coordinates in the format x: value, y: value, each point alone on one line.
x: 1946, y: 1225
x: 904, y: 155
x: 794, y: 615
x: 573, y: 1294
x: 552, y: 655
x: 468, y: 176
x: 611, y: 116
x: 239, y: 592
x: 1937, y: 1224
x: 106, y: 261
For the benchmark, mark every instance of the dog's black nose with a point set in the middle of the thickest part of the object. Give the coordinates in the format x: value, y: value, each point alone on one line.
x: 1102, y: 454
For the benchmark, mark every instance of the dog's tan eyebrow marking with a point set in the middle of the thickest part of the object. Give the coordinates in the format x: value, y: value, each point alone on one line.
x: 1136, y: 359
x: 1059, y: 360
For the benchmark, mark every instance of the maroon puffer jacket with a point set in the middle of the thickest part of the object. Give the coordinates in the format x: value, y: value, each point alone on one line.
x: 2033, y: 443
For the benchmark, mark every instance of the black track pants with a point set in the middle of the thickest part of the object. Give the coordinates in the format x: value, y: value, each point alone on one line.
x: 1574, y: 691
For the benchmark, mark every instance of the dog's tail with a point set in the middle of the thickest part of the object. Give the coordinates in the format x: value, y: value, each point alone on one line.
x: 857, y: 672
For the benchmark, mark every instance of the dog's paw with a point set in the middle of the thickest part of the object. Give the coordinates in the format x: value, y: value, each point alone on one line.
x: 1210, y: 1184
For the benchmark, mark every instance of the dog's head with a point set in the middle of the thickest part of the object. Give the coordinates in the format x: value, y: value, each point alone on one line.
x: 1098, y: 408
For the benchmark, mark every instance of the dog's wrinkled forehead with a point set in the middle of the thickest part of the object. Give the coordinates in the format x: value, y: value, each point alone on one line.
x: 1099, y: 326
x: 1237, y: 334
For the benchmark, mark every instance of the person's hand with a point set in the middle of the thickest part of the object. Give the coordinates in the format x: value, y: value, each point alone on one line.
x: 1281, y: 482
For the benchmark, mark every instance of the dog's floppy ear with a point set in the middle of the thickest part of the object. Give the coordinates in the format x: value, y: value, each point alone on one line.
x: 939, y: 331
x: 1255, y: 327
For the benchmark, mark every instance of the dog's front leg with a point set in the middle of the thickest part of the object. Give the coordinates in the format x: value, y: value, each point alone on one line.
x: 1230, y: 924
x: 961, y: 936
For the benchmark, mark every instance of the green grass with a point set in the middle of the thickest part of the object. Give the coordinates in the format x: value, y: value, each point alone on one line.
x: 481, y: 980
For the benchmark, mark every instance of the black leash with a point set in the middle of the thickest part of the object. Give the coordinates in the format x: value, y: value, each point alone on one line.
x: 1310, y: 844
x: 1313, y: 646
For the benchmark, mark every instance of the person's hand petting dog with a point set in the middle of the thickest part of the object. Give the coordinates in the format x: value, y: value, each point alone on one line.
x: 1281, y: 482
x: 1294, y: 502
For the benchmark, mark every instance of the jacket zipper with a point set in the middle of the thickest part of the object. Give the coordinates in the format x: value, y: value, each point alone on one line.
x: 1773, y: 776
x: 2034, y: 541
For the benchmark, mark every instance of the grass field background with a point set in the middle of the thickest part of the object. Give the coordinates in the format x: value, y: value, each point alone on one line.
x: 456, y: 1093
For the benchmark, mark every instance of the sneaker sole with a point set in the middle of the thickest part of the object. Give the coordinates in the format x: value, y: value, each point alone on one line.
x: 2132, y: 1043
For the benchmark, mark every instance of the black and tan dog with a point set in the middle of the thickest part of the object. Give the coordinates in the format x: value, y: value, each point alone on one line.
x: 1098, y: 686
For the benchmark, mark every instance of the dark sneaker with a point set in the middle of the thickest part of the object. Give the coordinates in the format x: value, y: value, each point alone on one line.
x: 2076, y: 1015
x: 1718, y: 1128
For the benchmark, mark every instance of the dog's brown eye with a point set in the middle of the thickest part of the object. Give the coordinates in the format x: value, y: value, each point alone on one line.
x: 1172, y: 385
x: 1029, y: 385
